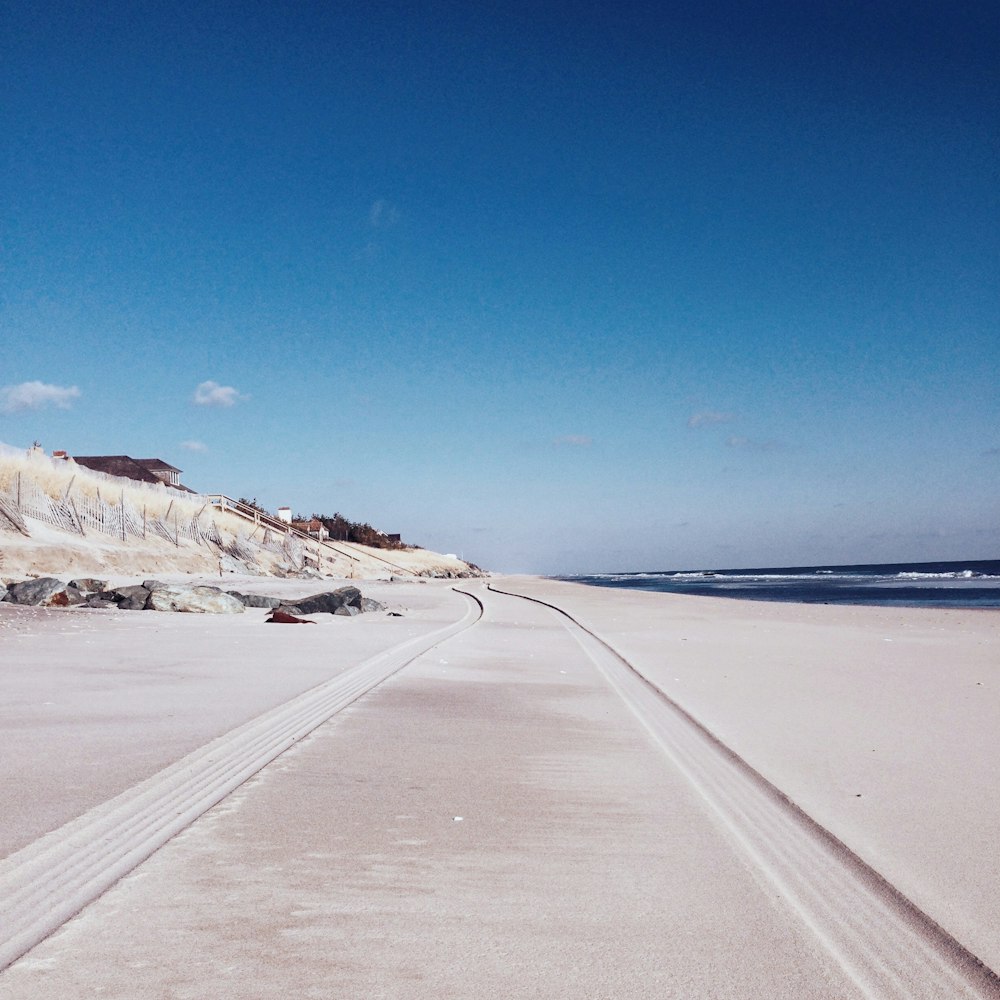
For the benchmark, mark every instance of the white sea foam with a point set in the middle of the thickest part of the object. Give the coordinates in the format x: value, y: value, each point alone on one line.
x: 966, y: 574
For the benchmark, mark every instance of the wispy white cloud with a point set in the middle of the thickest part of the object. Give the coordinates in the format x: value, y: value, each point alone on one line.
x: 574, y: 440
x: 35, y: 396
x: 194, y: 446
x: 382, y: 214
x: 749, y: 444
x: 212, y: 394
x: 706, y: 418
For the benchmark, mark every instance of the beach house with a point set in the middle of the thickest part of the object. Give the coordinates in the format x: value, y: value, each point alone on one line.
x: 143, y: 470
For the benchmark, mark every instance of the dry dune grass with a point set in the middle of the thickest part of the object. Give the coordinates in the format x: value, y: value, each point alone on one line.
x: 52, y: 549
x: 56, y: 477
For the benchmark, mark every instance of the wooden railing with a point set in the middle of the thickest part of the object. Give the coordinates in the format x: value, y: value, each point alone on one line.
x: 221, y: 502
x: 262, y: 519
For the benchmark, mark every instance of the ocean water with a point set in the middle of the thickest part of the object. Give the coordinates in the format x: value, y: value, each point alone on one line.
x: 930, y: 584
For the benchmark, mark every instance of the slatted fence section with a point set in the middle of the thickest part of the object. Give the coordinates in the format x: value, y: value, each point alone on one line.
x: 11, y: 515
x: 84, y: 512
x: 32, y: 501
x: 106, y: 509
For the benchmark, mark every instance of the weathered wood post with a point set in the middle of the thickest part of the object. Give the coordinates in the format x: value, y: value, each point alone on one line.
x: 76, y: 514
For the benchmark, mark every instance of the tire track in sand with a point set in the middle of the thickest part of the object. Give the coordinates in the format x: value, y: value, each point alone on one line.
x: 888, y: 947
x: 51, y: 880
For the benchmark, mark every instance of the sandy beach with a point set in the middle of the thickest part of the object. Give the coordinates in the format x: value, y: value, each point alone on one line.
x: 518, y: 787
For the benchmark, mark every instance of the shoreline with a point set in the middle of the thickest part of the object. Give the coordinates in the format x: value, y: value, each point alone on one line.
x: 954, y: 584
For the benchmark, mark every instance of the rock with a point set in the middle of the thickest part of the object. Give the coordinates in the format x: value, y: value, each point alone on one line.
x: 46, y: 591
x: 130, y: 598
x: 87, y: 585
x: 395, y: 614
x: 96, y: 601
x: 66, y: 598
x: 230, y: 564
x: 33, y: 591
x: 347, y: 611
x: 256, y: 600
x: 327, y: 602
x: 197, y: 600
x: 152, y: 585
x: 283, y: 618
x: 369, y: 604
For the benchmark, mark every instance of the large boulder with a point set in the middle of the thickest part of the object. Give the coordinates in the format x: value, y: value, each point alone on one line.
x: 68, y: 597
x: 32, y: 591
x: 129, y: 598
x: 369, y: 604
x: 255, y: 600
x: 46, y: 592
x: 88, y: 585
x: 327, y: 602
x: 198, y: 600
x: 96, y: 601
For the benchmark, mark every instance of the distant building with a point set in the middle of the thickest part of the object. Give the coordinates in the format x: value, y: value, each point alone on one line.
x: 312, y: 526
x: 165, y: 473
x: 142, y: 470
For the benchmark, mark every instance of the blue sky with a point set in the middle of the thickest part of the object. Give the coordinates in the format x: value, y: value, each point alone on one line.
x: 562, y: 288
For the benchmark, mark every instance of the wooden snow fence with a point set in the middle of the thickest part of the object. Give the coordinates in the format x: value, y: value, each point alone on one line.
x: 32, y: 501
x: 240, y: 548
x: 82, y: 512
x: 10, y: 513
x: 211, y: 534
x: 97, y: 514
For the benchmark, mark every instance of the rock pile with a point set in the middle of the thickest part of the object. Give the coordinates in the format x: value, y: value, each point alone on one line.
x: 152, y: 595
x: 347, y: 601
